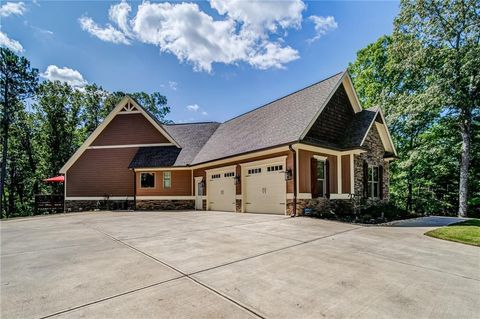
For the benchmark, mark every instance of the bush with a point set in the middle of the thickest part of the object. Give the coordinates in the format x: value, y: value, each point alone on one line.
x: 384, y: 212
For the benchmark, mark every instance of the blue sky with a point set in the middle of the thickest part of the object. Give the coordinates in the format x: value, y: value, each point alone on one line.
x: 213, y: 60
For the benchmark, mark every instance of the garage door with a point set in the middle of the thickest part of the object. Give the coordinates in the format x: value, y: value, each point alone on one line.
x: 265, y: 188
x: 221, y: 190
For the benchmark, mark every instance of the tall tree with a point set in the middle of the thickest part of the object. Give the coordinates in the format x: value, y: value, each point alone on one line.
x: 58, y: 109
x: 440, y: 40
x: 18, y: 82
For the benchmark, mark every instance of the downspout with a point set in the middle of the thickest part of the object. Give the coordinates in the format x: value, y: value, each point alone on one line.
x: 294, y: 177
x: 134, y: 190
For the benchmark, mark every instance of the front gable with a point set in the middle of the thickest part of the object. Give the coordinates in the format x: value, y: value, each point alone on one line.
x: 127, y: 125
x: 329, y: 127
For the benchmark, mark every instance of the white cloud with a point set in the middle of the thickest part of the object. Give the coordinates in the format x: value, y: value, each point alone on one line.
x: 108, y: 33
x: 173, y: 85
x: 9, y: 8
x: 70, y: 76
x: 119, y: 14
x: 322, y: 26
x: 193, y: 107
x: 241, y: 35
x: 12, y: 44
x: 204, y: 113
x: 261, y: 14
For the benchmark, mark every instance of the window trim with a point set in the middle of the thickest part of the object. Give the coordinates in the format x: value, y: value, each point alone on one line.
x: 154, y: 180
x: 169, y: 178
x: 324, y: 179
x: 371, y: 182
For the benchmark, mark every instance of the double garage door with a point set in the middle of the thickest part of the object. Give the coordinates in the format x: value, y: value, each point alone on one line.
x: 263, y: 188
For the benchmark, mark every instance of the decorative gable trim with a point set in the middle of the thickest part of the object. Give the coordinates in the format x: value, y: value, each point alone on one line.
x: 352, y: 96
x: 126, y: 106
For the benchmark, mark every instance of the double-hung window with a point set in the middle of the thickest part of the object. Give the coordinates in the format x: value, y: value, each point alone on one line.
x: 373, y: 181
x: 321, y: 178
x: 167, y: 179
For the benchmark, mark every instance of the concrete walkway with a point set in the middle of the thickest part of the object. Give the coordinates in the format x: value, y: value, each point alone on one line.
x: 429, y: 221
x: 226, y: 265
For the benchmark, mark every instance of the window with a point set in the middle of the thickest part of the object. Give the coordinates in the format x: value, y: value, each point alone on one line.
x: 231, y: 174
x: 254, y: 171
x: 167, y: 179
x: 274, y: 168
x: 147, y: 180
x: 321, y: 180
x: 373, y: 181
x: 215, y: 176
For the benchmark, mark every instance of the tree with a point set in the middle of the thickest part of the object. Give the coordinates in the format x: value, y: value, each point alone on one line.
x: 58, y: 110
x: 440, y: 40
x: 18, y: 82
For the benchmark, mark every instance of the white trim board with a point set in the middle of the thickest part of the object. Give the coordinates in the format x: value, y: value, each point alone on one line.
x: 117, y: 110
x: 128, y: 145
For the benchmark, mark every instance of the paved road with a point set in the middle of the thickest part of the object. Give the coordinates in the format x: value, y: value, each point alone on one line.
x: 225, y: 265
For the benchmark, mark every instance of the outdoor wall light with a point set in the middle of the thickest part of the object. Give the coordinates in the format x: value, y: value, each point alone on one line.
x: 288, y: 174
x: 236, y: 180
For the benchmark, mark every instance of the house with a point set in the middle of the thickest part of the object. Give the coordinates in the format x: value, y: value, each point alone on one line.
x: 309, y: 148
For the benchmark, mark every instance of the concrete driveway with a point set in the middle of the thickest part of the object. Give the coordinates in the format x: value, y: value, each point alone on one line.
x: 225, y: 265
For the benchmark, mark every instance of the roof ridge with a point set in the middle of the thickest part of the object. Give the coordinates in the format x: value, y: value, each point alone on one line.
x: 285, y: 96
x: 190, y: 123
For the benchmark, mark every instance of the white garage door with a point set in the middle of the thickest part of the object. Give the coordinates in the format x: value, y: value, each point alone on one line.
x: 265, y: 188
x: 221, y: 190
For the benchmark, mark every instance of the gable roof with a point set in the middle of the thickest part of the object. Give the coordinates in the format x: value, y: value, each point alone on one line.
x: 280, y: 122
x: 125, y: 103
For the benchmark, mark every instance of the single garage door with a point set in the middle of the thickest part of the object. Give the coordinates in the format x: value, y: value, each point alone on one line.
x: 221, y: 190
x: 265, y: 188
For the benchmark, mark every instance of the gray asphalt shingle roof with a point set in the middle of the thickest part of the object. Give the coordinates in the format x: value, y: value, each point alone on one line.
x: 357, y: 130
x: 155, y: 156
x: 191, y: 137
x: 277, y: 123
x: 280, y: 122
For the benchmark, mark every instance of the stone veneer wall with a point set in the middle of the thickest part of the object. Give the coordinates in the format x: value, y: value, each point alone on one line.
x: 374, y: 156
x: 91, y: 205
x: 165, y: 204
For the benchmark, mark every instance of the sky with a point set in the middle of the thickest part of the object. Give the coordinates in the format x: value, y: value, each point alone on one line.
x: 213, y: 60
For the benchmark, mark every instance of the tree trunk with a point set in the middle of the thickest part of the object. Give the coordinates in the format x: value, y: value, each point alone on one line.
x: 465, y: 131
x: 410, y: 181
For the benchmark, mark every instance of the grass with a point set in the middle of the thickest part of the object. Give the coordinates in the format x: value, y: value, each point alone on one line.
x: 467, y: 232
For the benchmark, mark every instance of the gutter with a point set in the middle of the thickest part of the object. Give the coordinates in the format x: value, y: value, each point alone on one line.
x: 294, y: 177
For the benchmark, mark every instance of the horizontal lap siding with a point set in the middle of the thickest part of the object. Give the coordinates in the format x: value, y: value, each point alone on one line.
x: 201, y: 172
x: 304, y: 170
x: 181, y: 184
x: 129, y: 129
x: 100, y: 172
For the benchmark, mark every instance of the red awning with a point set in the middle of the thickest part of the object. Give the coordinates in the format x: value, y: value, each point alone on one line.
x: 56, y: 179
